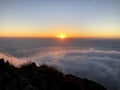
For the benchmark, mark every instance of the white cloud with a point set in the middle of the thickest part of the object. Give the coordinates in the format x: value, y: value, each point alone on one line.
x: 13, y: 60
x: 98, y: 65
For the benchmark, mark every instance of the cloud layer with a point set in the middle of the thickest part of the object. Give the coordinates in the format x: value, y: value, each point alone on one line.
x: 98, y: 65
x: 13, y: 60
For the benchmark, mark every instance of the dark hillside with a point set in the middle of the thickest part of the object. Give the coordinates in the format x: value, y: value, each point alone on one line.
x: 32, y: 77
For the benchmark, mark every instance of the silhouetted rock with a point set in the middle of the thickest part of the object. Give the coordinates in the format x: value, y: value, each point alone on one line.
x: 32, y: 77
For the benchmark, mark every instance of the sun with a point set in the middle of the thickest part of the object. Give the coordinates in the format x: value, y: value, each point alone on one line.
x: 62, y: 36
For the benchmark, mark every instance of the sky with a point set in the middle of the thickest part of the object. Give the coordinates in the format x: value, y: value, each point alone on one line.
x: 50, y: 18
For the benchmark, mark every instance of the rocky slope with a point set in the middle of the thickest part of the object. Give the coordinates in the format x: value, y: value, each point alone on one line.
x: 32, y: 77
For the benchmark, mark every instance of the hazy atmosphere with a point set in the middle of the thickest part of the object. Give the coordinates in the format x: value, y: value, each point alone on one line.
x: 78, y: 37
x: 49, y: 18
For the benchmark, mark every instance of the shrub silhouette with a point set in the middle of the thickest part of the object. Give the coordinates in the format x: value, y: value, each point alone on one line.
x: 44, y: 77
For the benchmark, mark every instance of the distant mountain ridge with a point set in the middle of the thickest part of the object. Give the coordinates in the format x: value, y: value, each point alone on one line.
x: 32, y: 77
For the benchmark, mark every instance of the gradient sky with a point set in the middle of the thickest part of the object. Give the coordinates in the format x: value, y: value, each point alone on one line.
x: 49, y: 18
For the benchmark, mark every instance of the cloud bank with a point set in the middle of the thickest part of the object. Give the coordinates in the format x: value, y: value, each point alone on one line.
x: 98, y: 65
x: 13, y: 60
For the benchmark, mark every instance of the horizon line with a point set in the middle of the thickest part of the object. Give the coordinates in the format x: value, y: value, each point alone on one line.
x: 64, y: 38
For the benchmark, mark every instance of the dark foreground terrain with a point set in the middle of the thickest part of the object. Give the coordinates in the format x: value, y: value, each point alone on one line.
x: 32, y: 77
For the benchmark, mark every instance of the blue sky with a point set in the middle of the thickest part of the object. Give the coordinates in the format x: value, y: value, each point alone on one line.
x: 92, y: 15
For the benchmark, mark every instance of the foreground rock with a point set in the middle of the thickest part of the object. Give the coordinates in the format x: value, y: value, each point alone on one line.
x: 32, y: 77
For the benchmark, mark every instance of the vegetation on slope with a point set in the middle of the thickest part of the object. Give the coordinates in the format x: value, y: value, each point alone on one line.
x: 44, y: 77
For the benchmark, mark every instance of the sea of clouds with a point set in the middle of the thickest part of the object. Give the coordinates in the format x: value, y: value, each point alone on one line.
x: 102, y: 66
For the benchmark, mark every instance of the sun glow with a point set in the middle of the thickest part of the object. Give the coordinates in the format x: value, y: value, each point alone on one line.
x: 62, y: 36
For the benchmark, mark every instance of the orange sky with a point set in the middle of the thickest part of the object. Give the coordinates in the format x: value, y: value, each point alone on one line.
x: 74, y: 18
x: 55, y: 32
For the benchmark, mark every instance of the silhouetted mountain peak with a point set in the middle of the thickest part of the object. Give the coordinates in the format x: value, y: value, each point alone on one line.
x: 44, y: 77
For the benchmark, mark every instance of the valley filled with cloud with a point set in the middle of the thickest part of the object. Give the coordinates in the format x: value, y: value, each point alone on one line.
x: 99, y: 65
